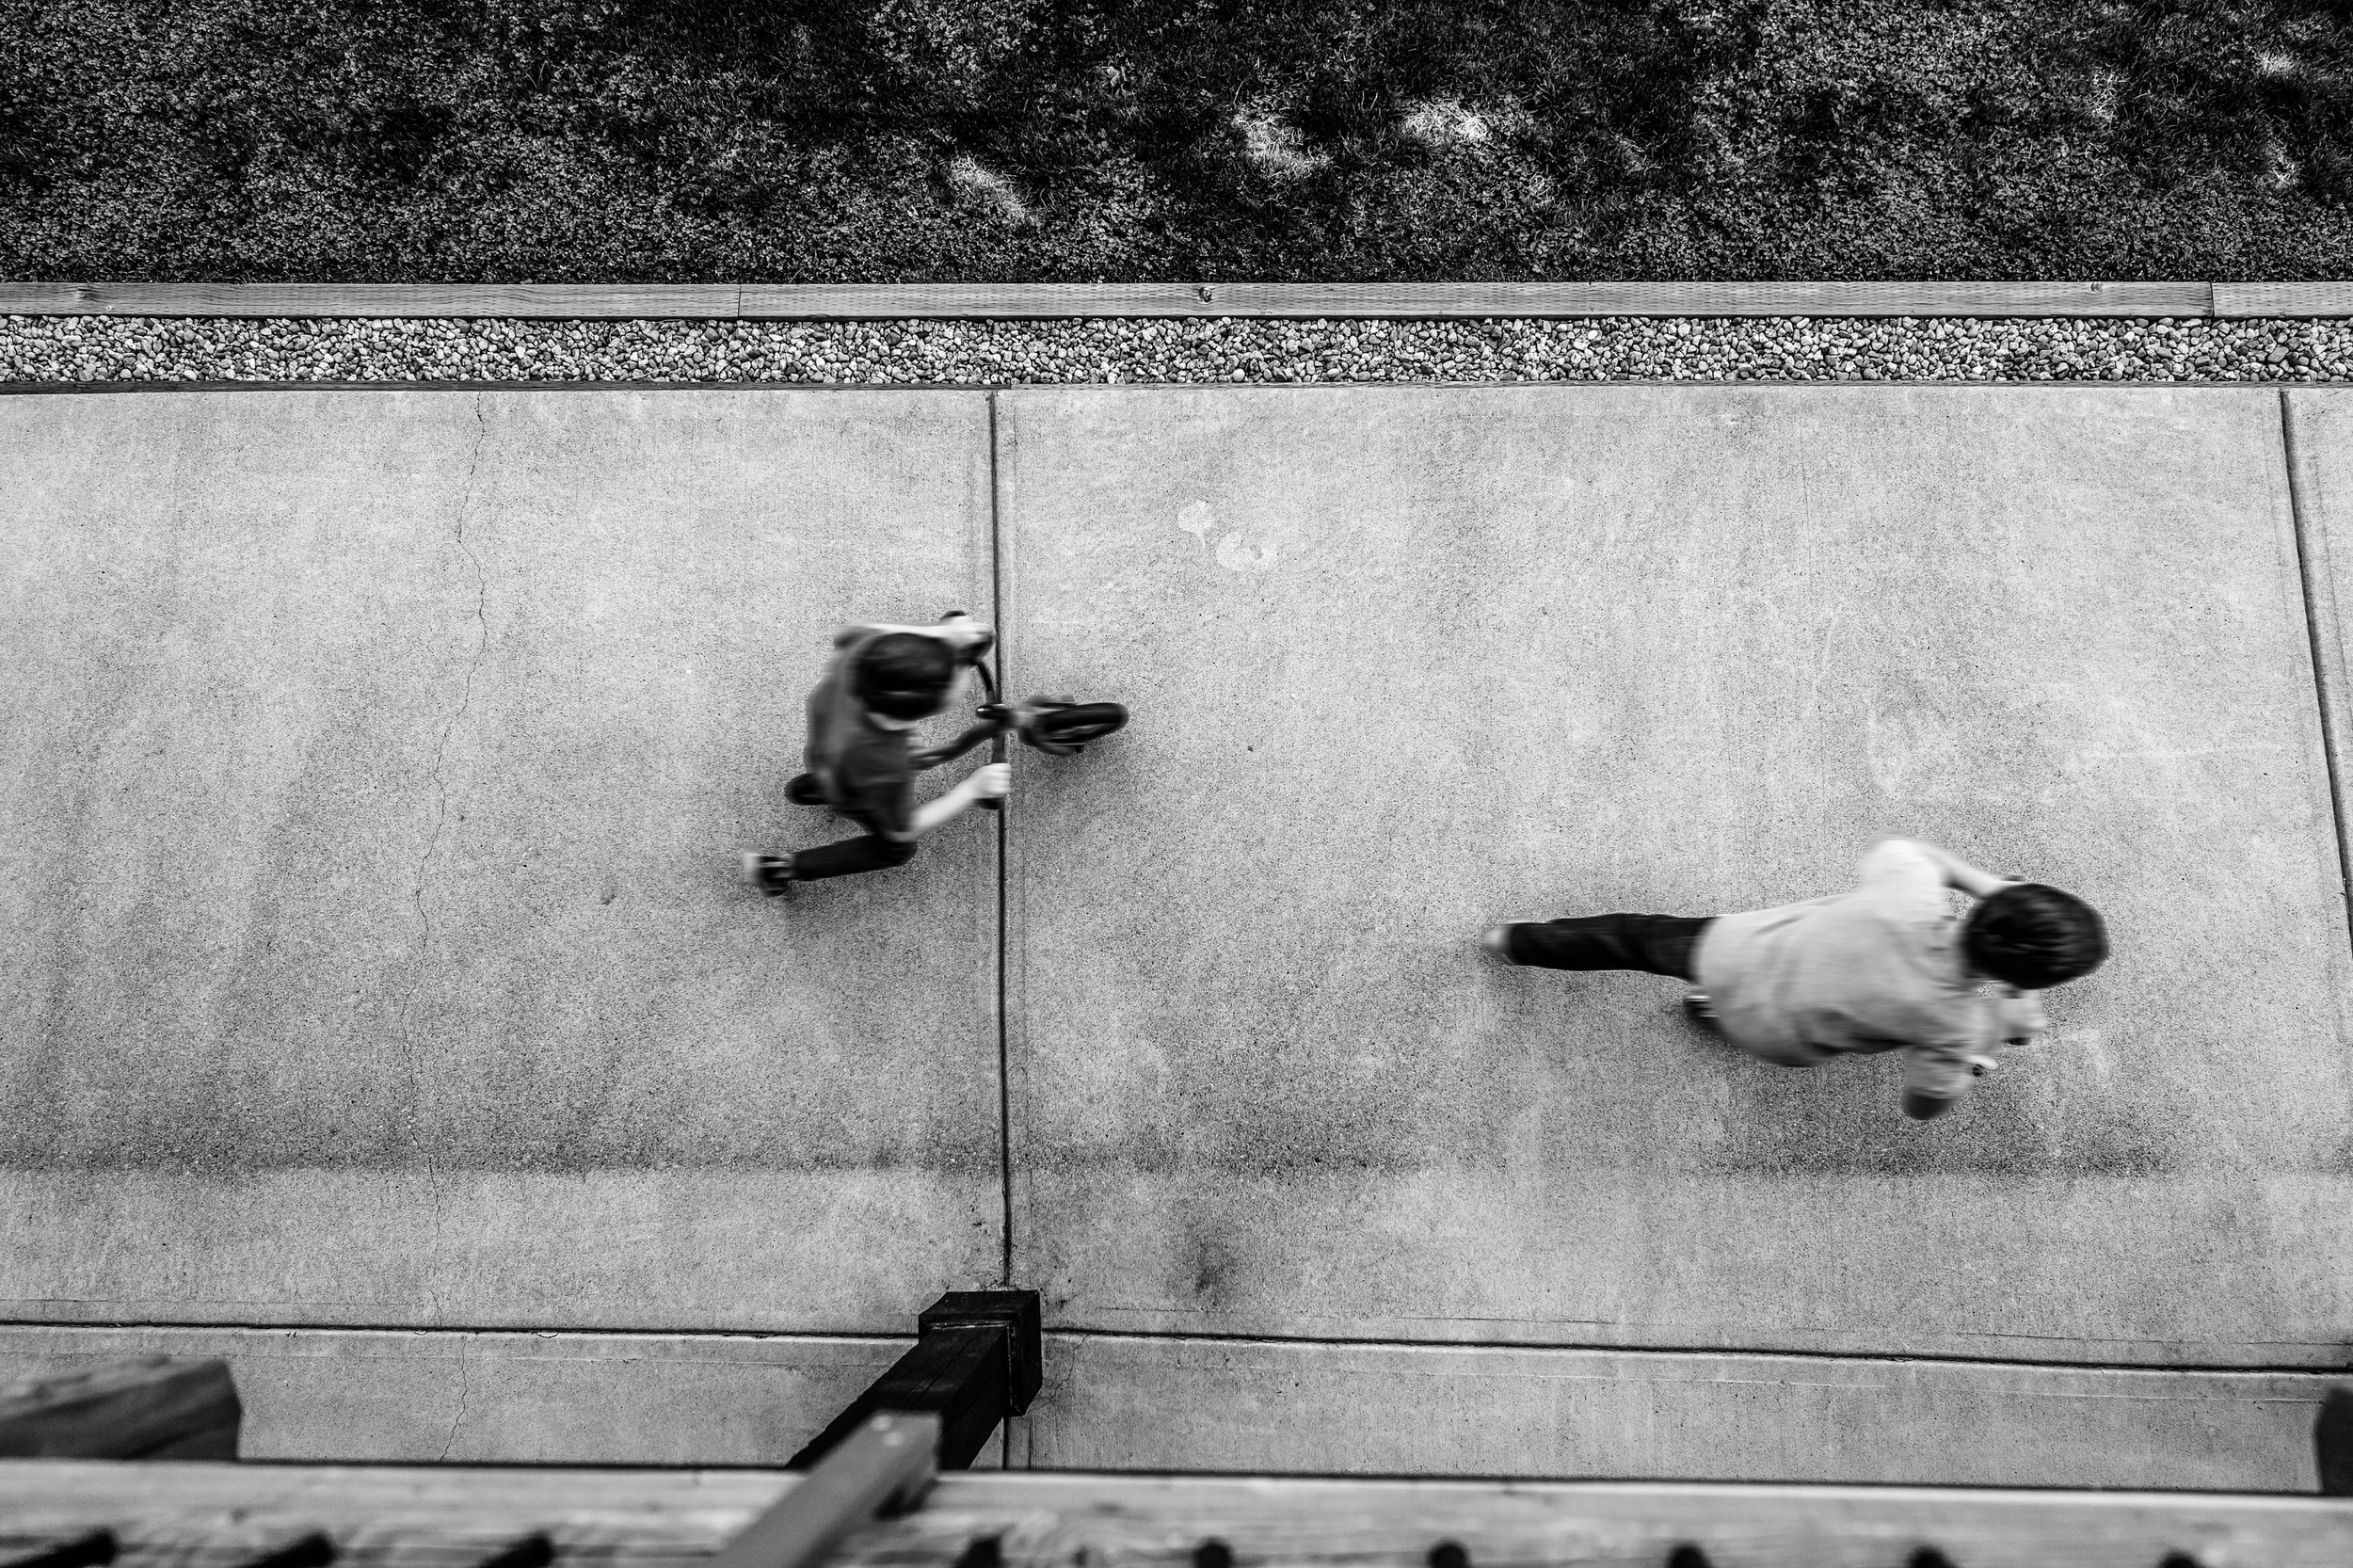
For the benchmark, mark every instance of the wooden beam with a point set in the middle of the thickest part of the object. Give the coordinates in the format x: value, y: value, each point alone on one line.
x: 1407, y: 300
x: 588, y: 301
x: 2283, y: 299
x: 446, y: 1547
x: 74, y: 1549
x: 901, y: 301
x: 153, y: 1407
x: 975, y: 1362
x: 885, y: 1467
x: 646, y: 1518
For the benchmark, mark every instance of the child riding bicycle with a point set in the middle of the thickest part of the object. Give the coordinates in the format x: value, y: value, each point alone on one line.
x: 860, y: 754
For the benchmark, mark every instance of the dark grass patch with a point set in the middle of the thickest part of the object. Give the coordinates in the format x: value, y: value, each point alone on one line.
x: 634, y: 140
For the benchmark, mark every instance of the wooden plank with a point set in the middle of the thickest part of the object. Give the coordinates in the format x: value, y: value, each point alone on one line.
x: 54, y: 1495
x: 885, y: 1467
x: 1044, y: 1520
x: 75, y: 1549
x: 2283, y: 299
x: 150, y: 1407
x: 446, y: 1547
x: 885, y: 301
x: 235, y: 1546
x: 1049, y: 1520
x: 898, y: 301
x: 813, y: 301
x: 621, y: 301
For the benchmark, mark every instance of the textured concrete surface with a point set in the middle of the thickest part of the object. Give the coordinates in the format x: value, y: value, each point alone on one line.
x: 378, y: 761
x: 524, y: 1398
x: 2319, y: 430
x: 1406, y: 662
x: 375, y: 961
x: 1164, y: 1404
x: 1161, y: 1404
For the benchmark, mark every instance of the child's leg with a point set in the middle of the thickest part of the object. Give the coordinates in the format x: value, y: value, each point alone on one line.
x: 873, y: 853
x: 1653, y: 944
x: 805, y: 791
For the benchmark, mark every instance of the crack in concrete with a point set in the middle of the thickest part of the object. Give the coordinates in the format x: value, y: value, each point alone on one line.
x: 473, y: 667
x: 440, y: 748
x: 465, y: 1402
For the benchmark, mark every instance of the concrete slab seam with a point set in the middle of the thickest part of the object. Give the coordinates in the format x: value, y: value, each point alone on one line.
x: 67, y: 1329
x: 557, y: 1338
x: 1307, y: 1342
x: 2322, y: 624
x: 1005, y: 1089
x: 1013, y: 972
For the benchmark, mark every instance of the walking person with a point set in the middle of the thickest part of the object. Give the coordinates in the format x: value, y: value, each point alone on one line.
x: 1883, y: 967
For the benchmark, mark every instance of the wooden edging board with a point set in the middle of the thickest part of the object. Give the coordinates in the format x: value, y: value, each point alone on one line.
x: 657, y: 1518
x: 883, y: 302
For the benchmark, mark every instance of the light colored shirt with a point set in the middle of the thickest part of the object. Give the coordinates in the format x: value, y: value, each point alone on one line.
x: 1877, y: 969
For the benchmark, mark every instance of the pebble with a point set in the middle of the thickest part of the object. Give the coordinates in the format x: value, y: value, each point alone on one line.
x: 1184, y: 350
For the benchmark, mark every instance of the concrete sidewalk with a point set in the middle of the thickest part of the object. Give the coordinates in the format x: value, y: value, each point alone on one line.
x: 380, y: 998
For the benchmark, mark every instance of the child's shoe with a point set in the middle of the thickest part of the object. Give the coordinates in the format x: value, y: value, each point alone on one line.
x: 770, y: 873
x: 1701, y: 1010
x: 1497, y: 941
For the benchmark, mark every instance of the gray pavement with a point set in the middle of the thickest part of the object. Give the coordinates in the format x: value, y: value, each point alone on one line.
x: 1439, y: 657
x: 375, y: 952
x: 379, y: 757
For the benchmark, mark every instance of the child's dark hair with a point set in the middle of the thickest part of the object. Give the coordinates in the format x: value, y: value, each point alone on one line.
x: 2031, y: 937
x: 905, y: 675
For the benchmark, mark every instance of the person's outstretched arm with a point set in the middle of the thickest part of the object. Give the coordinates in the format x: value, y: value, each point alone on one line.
x: 1957, y: 872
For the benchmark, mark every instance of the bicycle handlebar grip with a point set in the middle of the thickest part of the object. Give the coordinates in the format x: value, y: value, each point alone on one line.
x: 995, y: 754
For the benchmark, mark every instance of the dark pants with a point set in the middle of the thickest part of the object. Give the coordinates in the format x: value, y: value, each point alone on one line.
x: 1655, y: 944
x: 872, y: 852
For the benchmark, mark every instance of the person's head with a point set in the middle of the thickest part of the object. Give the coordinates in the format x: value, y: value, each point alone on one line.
x: 905, y: 675
x: 2032, y: 936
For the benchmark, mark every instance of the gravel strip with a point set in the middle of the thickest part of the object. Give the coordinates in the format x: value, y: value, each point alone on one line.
x: 1185, y: 350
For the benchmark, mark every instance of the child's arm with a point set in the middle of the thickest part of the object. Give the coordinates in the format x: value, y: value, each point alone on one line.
x: 993, y: 782
x: 973, y: 736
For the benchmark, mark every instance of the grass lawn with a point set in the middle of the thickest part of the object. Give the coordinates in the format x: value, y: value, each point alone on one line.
x: 633, y: 140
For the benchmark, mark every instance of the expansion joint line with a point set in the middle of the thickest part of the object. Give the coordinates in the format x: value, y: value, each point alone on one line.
x: 2319, y: 586
x: 1004, y: 833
